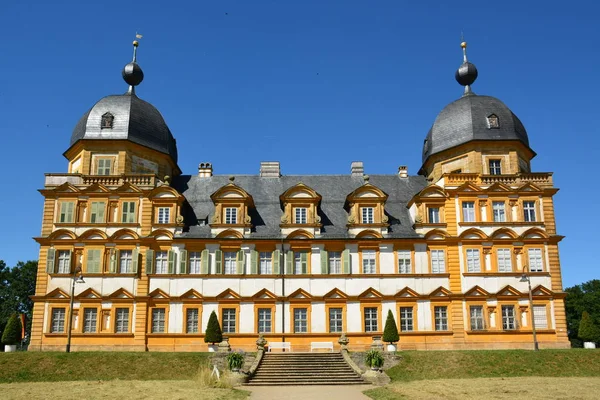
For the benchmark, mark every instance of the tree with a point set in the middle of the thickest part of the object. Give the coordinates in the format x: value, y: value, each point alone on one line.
x: 17, y: 284
x: 390, y: 332
x: 588, y: 330
x: 12, y: 332
x: 213, y: 330
x: 580, y: 298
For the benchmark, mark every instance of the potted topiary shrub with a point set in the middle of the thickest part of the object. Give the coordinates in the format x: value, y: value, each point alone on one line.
x: 235, y: 360
x: 390, y: 332
x: 213, y: 332
x: 12, y: 334
x: 588, y: 331
x: 374, y: 359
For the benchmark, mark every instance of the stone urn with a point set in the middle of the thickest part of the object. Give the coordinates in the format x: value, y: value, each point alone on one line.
x: 377, y: 344
x: 392, y: 347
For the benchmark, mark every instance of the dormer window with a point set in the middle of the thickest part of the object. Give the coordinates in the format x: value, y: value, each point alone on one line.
x: 232, y: 208
x: 107, y: 121
x: 366, y: 210
x: 300, y: 215
x: 493, y: 122
x: 231, y: 215
x: 367, y: 215
x: 300, y: 206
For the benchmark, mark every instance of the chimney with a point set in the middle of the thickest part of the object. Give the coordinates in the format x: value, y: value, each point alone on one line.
x: 205, y: 170
x: 403, y: 171
x: 269, y: 169
x: 357, y: 169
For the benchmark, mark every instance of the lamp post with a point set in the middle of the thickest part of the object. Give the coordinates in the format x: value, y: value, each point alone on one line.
x: 525, y: 278
x: 76, y: 278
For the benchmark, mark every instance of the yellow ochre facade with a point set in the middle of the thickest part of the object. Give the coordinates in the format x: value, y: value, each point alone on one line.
x: 299, y: 259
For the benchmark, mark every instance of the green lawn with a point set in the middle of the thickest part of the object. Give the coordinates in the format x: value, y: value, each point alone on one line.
x: 54, y: 366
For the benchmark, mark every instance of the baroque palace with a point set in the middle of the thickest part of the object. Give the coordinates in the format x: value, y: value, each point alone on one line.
x: 298, y: 259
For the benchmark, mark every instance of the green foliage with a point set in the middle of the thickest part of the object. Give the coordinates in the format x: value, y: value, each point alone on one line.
x: 235, y: 360
x: 213, y: 330
x: 580, y: 298
x: 390, y: 332
x: 12, y: 332
x: 16, y: 285
x: 588, y: 330
x: 374, y: 359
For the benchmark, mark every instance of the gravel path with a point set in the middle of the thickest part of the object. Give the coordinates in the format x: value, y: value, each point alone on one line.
x: 350, y: 392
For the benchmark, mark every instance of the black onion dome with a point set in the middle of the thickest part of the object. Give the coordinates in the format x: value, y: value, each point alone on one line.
x: 466, y: 119
x: 133, y: 74
x: 133, y: 119
x: 466, y: 74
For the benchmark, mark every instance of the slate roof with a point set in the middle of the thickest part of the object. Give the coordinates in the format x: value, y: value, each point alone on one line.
x: 134, y: 119
x: 266, y: 191
x: 465, y: 120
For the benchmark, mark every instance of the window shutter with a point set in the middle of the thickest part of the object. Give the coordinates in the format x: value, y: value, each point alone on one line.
x: 69, y: 261
x: 218, y: 262
x: 112, y: 265
x: 183, y: 262
x: 276, y: 262
x: 289, y: 262
x: 240, y: 262
x: 205, y: 261
x: 346, y: 261
x: 50, y: 261
x: 303, y: 262
x: 324, y: 262
x: 100, y: 216
x: 149, y: 261
x: 135, y: 255
x: 254, y: 262
x: 69, y: 213
x: 172, y: 257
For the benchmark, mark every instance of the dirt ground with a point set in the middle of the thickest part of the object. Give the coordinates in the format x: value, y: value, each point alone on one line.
x: 350, y: 392
x: 134, y: 390
x: 523, y: 388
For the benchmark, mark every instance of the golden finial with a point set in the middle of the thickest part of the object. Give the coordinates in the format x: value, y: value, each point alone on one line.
x: 136, y: 43
x: 463, y: 45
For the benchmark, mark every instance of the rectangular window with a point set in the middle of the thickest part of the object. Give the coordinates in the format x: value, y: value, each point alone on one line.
x: 66, y: 211
x: 539, y: 317
x: 468, y: 208
x: 228, y: 318
x: 473, y: 260
x: 97, y: 212
x: 404, y: 265
x: 300, y: 215
x: 370, y: 319
x: 104, y: 166
x: 535, y: 260
x: 298, y: 255
x: 125, y: 261
x: 300, y: 320
x: 529, y: 211
x: 191, y: 325
x: 367, y: 215
x: 158, y: 320
x: 58, y: 320
x: 498, y: 211
x: 264, y: 320
x: 438, y: 262
x: 93, y: 262
x: 64, y: 261
x: 509, y: 321
x: 434, y: 215
x: 230, y: 258
x: 476, y: 313
x: 161, y: 264
x: 441, y: 318
x: 504, y: 260
x: 266, y: 263
x: 495, y: 167
x: 122, y: 320
x: 406, y: 319
x: 128, y: 212
x: 231, y: 215
x: 164, y: 215
x: 369, y: 262
x: 335, y: 320
x: 195, y: 262
x: 90, y: 316
x: 335, y: 262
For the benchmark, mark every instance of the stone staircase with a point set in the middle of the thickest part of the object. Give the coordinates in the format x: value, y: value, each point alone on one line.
x: 278, y: 369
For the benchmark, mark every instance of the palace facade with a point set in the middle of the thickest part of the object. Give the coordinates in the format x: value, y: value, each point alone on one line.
x: 298, y: 258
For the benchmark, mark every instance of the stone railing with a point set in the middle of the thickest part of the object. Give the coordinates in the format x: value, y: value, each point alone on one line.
x: 142, y: 180
x: 543, y: 179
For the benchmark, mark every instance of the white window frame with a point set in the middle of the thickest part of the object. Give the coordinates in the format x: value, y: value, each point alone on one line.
x: 122, y: 320
x: 367, y: 215
x: 495, y: 166
x: 228, y: 317
x: 300, y: 215
x: 298, y: 262
x: 230, y: 262
x: 473, y: 260
x: 404, y: 262
x: 57, y: 324
x: 499, y: 211
x: 164, y: 215
x: 438, y: 261
x: 300, y: 320
x: 504, y: 258
x: 477, y: 318
x: 369, y: 261
x: 441, y: 318
x: 529, y: 211
x: 371, y: 319
x: 231, y: 215
x: 509, y: 318
x: 265, y: 259
x: 468, y: 208
x: 161, y: 262
x: 540, y: 317
x: 126, y: 261
x: 104, y: 166
x: 536, y: 261
x: 335, y: 262
x: 265, y: 321
x: 191, y: 320
x: 336, y: 320
x: 433, y: 215
x: 159, y: 316
x: 63, y: 261
x: 90, y: 320
x: 128, y: 212
x: 406, y: 319
x: 195, y: 258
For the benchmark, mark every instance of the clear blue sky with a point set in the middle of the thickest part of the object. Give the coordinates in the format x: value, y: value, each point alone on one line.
x: 313, y: 84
